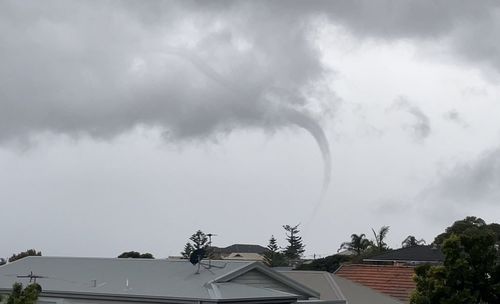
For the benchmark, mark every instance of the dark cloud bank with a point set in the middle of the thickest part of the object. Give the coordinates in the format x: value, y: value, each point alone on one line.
x: 197, y: 69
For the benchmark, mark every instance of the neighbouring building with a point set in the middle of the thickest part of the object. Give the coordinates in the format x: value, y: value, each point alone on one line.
x: 69, y: 280
x: 415, y: 255
x: 392, y: 280
x: 337, y: 289
x: 247, y: 252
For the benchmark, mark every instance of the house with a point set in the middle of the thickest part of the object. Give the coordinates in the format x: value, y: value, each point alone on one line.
x: 244, y: 256
x: 392, y: 272
x: 240, y: 252
x: 393, y: 280
x: 70, y: 280
x: 414, y: 255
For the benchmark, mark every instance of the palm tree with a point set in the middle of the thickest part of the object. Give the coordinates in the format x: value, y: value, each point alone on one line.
x: 411, y: 241
x: 380, y: 236
x: 358, y: 244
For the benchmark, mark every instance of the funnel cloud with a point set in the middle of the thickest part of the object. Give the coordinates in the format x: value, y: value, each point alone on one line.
x: 194, y: 72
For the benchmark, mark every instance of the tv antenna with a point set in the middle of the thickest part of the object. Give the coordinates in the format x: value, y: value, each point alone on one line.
x: 198, y: 255
x: 32, y: 277
x: 210, y: 251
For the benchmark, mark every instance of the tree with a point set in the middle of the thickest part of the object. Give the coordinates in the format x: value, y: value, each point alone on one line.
x: 188, y: 249
x: 459, y: 227
x: 29, y: 252
x: 273, y: 257
x: 198, y: 240
x: 496, y: 229
x: 379, y: 238
x: 295, y: 247
x: 471, y: 269
x: 28, y: 295
x: 411, y: 241
x: 329, y: 263
x: 358, y: 244
x: 135, y: 255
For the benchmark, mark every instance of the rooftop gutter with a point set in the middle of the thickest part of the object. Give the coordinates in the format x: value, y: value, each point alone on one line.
x: 156, y: 299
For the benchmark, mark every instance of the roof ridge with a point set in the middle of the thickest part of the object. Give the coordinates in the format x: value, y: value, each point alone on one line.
x: 372, y: 265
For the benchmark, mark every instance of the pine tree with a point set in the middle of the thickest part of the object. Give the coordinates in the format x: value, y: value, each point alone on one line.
x: 199, y: 240
x: 273, y: 257
x: 188, y: 249
x: 295, y: 247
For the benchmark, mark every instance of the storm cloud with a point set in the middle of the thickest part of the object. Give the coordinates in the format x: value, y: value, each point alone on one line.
x: 419, y: 126
x: 102, y: 69
x: 473, y: 182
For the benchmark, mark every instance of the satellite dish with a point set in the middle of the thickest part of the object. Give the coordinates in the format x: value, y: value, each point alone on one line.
x: 197, y: 255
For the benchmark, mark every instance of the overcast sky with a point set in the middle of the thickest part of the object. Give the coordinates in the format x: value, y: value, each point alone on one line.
x: 128, y: 125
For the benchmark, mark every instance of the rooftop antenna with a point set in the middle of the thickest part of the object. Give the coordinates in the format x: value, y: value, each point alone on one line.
x: 32, y: 277
x: 197, y: 256
x: 210, y: 251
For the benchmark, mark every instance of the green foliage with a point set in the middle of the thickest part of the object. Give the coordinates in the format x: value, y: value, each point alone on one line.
x: 471, y: 270
x: 358, y: 244
x: 329, y: 263
x: 135, y: 255
x: 496, y: 229
x: 295, y: 248
x: 198, y: 240
x: 273, y: 257
x: 411, y: 241
x: 380, y: 237
x: 188, y: 249
x: 459, y: 227
x: 29, y: 252
x: 28, y: 295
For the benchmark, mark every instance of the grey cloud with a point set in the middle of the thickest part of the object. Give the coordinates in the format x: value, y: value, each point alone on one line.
x: 87, y: 67
x: 456, y: 117
x: 469, y: 28
x: 474, y: 182
x: 101, y: 68
x: 194, y: 69
x: 420, y: 128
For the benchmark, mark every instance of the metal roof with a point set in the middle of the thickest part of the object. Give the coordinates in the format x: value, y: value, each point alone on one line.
x: 413, y: 254
x: 241, y: 248
x: 321, y: 281
x: 138, y: 279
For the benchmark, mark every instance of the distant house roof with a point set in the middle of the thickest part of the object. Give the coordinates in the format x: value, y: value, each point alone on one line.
x: 395, y: 281
x: 244, y: 256
x: 147, y: 280
x: 241, y: 248
x: 414, y: 254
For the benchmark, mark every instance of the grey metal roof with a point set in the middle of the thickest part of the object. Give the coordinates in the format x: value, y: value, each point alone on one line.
x: 136, y: 278
x: 320, y: 281
x: 415, y: 254
x: 241, y: 248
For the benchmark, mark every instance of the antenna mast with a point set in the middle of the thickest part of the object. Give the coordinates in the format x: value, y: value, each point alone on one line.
x: 210, y: 248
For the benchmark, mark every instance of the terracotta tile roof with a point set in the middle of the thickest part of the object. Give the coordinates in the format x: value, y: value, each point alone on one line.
x: 396, y: 281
